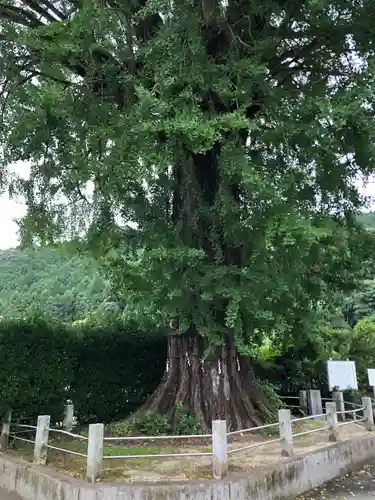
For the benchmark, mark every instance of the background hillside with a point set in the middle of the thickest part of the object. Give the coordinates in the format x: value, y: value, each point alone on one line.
x: 56, y: 284
x: 52, y: 283
x: 367, y: 219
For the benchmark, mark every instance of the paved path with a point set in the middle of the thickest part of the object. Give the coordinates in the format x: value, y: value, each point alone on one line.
x: 359, y: 485
x: 7, y: 496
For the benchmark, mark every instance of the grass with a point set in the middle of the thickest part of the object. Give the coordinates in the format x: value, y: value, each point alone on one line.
x: 114, y: 470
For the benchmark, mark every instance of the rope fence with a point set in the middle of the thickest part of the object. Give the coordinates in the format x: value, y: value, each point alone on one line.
x: 220, y: 444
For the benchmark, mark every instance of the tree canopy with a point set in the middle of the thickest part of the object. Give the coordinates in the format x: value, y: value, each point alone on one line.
x: 230, y: 134
x: 209, y: 151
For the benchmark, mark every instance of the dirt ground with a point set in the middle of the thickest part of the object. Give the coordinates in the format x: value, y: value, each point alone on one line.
x: 185, y: 468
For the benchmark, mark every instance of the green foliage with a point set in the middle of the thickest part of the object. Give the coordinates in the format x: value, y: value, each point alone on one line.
x: 185, y: 422
x: 153, y: 424
x: 221, y: 144
x: 362, y: 349
x: 367, y: 219
x: 117, y: 369
x: 54, y: 283
x: 107, y: 373
x: 37, y: 362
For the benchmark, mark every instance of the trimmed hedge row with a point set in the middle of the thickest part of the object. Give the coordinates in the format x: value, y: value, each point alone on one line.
x: 108, y: 373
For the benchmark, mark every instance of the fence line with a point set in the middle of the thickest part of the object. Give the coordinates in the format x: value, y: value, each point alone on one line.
x: 219, y: 437
x: 259, y: 428
x: 256, y: 445
x: 70, y: 452
x: 352, y: 422
x: 159, y: 455
x: 309, y: 417
x: 70, y: 434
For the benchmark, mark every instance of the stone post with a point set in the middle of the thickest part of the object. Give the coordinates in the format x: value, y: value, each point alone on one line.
x: 338, y: 398
x: 315, y: 402
x: 68, y: 417
x: 303, y: 401
x: 368, y: 413
x: 95, y: 452
x: 333, y: 426
x: 41, y: 439
x: 5, y: 431
x: 285, y: 429
x: 219, y: 449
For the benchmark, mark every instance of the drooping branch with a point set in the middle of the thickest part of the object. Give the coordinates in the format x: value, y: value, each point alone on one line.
x: 19, y: 16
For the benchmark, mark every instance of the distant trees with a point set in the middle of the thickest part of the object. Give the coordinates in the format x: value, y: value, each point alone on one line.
x: 52, y: 283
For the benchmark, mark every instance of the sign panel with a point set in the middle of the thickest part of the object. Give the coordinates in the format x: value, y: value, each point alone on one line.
x: 371, y: 377
x: 342, y: 375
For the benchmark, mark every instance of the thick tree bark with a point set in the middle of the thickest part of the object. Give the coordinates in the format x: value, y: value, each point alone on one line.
x: 222, y: 386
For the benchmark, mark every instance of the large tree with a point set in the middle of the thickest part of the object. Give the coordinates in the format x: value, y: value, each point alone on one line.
x: 227, y: 134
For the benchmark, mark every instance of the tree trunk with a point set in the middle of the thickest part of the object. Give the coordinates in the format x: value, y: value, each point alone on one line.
x: 219, y: 387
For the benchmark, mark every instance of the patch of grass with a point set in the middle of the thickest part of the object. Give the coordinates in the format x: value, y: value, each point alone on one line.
x: 113, y: 469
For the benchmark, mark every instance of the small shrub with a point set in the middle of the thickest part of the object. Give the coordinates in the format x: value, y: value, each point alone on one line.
x: 118, y: 429
x: 153, y: 424
x: 185, y: 422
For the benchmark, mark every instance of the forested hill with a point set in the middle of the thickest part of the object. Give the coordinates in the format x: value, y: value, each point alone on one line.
x: 50, y: 282
x: 367, y: 219
x: 63, y: 286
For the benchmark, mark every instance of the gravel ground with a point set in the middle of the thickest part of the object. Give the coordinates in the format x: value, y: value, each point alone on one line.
x: 359, y: 484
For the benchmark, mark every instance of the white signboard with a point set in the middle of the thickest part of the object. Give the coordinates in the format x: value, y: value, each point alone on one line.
x: 371, y: 377
x: 342, y: 375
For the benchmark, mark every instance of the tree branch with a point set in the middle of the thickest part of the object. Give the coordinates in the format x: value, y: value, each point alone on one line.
x: 19, y: 16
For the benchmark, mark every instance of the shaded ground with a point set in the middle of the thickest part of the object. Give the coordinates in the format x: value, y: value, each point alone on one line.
x: 185, y: 468
x: 359, y: 485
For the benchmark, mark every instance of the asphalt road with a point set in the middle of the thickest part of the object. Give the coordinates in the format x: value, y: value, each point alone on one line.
x: 359, y: 485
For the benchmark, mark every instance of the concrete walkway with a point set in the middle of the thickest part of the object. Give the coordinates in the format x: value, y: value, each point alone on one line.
x: 359, y: 485
x: 7, y: 496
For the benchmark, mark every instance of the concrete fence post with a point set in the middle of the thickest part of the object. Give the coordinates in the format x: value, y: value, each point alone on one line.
x: 95, y: 452
x: 68, y: 417
x: 333, y: 426
x: 368, y: 413
x: 303, y: 401
x: 286, y: 436
x: 5, y: 431
x: 41, y: 439
x: 315, y: 402
x: 338, y: 398
x: 219, y: 449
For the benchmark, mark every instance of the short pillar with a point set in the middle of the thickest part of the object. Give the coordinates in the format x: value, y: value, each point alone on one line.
x: 41, y: 439
x: 338, y: 398
x: 303, y: 401
x: 315, y: 402
x: 68, y: 417
x: 286, y: 436
x: 95, y: 452
x: 5, y: 431
x: 368, y: 413
x: 219, y: 449
x: 333, y: 426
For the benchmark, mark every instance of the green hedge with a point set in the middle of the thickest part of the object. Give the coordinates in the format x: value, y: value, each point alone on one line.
x: 115, y: 373
x: 106, y: 372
